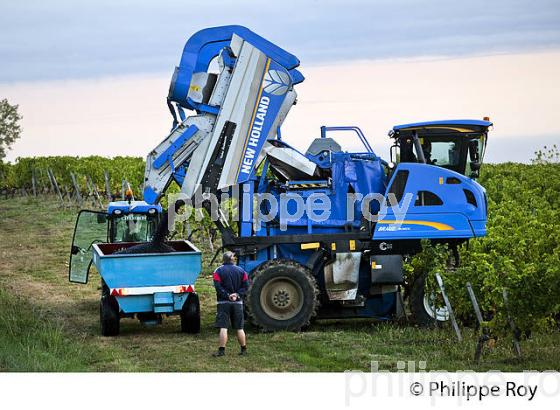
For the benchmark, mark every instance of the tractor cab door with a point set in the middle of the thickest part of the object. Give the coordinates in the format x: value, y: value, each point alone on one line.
x: 91, y: 227
x: 457, y: 145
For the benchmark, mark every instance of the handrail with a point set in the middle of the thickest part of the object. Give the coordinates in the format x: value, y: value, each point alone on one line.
x: 357, y: 130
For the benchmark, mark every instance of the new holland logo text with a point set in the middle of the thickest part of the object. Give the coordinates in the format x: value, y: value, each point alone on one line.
x: 255, y: 135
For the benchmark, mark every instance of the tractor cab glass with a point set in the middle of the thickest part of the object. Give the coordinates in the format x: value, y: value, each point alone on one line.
x: 455, y: 145
x: 133, y: 227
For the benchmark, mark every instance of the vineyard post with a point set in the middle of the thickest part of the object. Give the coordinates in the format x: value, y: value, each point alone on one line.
x: 207, y: 230
x: 33, y: 183
x: 107, y: 185
x: 514, y: 329
x: 449, y: 308
x: 76, y: 189
x: 55, y: 184
x: 95, y: 192
x: 89, y: 186
x: 402, y: 306
x: 67, y: 194
x: 52, y: 191
x: 122, y: 188
x: 484, y: 337
x: 40, y: 181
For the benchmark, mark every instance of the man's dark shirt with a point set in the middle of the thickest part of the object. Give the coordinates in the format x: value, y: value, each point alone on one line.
x: 228, y: 279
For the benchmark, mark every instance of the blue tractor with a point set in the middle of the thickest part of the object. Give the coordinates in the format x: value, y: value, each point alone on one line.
x: 146, y: 286
x: 343, y: 256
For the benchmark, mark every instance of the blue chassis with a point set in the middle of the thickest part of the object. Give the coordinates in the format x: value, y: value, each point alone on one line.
x: 455, y: 220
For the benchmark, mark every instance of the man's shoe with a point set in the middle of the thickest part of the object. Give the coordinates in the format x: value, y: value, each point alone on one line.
x: 243, y: 352
x: 219, y: 353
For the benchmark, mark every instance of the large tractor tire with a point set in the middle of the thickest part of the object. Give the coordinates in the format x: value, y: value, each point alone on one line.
x: 190, y: 315
x: 283, y: 296
x: 109, y: 316
x: 423, y: 299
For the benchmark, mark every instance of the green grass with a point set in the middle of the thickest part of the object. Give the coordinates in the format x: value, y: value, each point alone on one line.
x: 30, y: 341
x: 48, y: 324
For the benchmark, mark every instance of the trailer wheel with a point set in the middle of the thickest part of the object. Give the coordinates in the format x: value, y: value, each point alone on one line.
x: 283, y: 296
x: 109, y: 316
x: 190, y: 315
x: 423, y: 299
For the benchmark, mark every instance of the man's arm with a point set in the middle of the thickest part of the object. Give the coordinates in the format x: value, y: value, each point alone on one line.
x: 244, y: 285
x: 222, y: 293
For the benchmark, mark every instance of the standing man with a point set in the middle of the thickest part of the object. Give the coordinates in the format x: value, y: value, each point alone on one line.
x: 231, y: 283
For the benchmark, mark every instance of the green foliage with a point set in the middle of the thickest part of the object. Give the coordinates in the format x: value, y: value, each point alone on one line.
x: 520, y: 253
x: 431, y: 260
x: 10, y: 129
x: 131, y: 168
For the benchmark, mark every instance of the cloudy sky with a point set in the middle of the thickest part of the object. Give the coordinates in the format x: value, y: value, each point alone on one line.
x: 92, y: 77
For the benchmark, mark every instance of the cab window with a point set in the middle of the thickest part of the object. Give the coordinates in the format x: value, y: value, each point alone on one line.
x: 133, y: 228
x: 442, y: 153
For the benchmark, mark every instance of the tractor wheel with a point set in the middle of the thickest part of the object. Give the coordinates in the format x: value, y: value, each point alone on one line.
x: 190, y: 315
x: 283, y: 296
x: 109, y: 316
x: 423, y: 299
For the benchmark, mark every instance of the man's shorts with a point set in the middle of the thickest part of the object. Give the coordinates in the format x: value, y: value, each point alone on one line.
x: 229, y: 313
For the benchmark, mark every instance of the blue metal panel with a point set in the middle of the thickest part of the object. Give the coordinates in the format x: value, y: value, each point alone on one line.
x: 423, y: 225
x: 150, y: 196
x: 206, y: 44
x: 359, y: 173
x: 136, y: 207
x: 167, y: 155
x: 145, y: 303
x: 273, y: 91
x: 201, y: 47
x: 163, y: 302
x: 179, y: 300
x: 478, y: 123
x: 449, y: 220
x: 297, y: 77
x: 246, y: 209
x: 479, y: 227
x: 149, y: 269
x: 136, y: 303
x: 381, y: 307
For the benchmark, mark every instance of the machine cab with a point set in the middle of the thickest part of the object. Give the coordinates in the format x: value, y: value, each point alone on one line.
x: 457, y: 145
x: 124, y: 221
x: 134, y: 221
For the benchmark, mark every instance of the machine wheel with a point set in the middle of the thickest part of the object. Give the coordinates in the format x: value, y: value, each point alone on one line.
x: 190, y: 315
x: 109, y: 316
x: 283, y: 296
x: 422, y: 300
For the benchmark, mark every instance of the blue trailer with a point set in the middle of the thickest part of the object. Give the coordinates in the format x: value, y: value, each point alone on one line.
x: 147, y: 286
